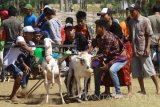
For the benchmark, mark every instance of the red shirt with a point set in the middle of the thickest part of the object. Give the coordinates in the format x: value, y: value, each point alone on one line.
x: 3, y: 35
x: 83, y: 31
x: 63, y: 35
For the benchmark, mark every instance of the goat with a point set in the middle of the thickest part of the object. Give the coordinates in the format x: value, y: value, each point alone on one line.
x: 50, y: 69
x: 80, y: 66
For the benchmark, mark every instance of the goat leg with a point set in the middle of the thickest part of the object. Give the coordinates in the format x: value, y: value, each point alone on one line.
x: 47, y: 90
x: 79, y: 89
x: 60, y: 89
x: 85, y: 88
x: 46, y: 85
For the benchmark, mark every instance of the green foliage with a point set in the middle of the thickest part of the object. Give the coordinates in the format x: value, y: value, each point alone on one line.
x: 74, y: 1
x: 4, y: 4
x: 103, y: 3
x: 22, y: 3
x: 91, y: 1
x: 147, y: 7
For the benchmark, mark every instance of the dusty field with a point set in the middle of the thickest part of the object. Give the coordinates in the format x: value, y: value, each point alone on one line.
x: 38, y: 97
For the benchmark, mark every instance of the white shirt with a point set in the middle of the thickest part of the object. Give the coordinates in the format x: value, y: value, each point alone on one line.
x: 13, y: 53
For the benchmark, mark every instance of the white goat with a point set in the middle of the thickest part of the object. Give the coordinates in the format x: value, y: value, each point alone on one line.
x: 80, y: 66
x: 51, y: 69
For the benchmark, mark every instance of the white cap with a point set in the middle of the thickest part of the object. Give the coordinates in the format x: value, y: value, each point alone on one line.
x: 28, y: 29
x: 47, y: 6
x: 104, y: 11
x: 68, y: 25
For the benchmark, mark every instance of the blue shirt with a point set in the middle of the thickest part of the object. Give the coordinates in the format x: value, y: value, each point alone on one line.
x: 42, y: 16
x: 30, y: 20
x: 45, y: 27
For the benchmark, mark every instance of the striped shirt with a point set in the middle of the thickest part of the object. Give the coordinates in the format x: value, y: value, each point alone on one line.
x: 110, y: 48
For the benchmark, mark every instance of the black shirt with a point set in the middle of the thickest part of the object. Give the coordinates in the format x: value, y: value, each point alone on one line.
x: 116, y: 29
x: 80, y: 41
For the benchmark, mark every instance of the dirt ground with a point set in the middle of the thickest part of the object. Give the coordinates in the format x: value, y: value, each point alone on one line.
x: 37, y: 99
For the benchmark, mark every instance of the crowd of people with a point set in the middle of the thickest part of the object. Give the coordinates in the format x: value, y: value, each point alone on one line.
x: 119, y: 49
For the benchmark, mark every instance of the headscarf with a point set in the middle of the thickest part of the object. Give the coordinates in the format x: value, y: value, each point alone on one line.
x: 4, y: 13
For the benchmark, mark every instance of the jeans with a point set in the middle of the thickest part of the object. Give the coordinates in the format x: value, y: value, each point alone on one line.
x: 13, y: 69
x: 24, y: 81
x: 113, y: 73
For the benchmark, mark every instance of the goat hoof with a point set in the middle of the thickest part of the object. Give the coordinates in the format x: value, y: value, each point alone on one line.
x: 86, y: 99
x: 79, y: 100
x: 63, y: 102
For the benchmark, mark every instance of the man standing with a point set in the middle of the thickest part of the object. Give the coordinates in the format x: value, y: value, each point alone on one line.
x: 30, y: 18
x: 115, y: 28
x: 55, y: 25
x: 155, y: 44
x: 12, y: 28
x: 140, y: 34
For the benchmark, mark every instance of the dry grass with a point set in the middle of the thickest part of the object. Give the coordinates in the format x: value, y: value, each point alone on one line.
x: 38, y: 97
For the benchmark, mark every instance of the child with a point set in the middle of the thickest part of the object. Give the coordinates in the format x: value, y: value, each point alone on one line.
x: 38, y: 52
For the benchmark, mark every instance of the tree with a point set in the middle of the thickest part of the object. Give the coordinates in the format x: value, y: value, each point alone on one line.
x: 61, y: 5
x: 146, y: 6
x: 83, y: 4
x: 4, y: 4
x: 66, y: 2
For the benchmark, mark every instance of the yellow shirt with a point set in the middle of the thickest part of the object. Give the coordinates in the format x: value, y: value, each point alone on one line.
x: 124, y: 28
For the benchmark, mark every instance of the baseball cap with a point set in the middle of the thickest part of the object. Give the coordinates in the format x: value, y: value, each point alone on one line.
x: 28, y: 29
x: 4, y: 13
x: 134, y: 6
x: 69, y: 25
x: 37, y: 30
x: 104, y: 11
x: 28, y: 6
x: 46, y: 6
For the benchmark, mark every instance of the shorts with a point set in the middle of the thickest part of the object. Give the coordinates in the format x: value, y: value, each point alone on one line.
x: 14, y: 70
x: 142, y: 67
